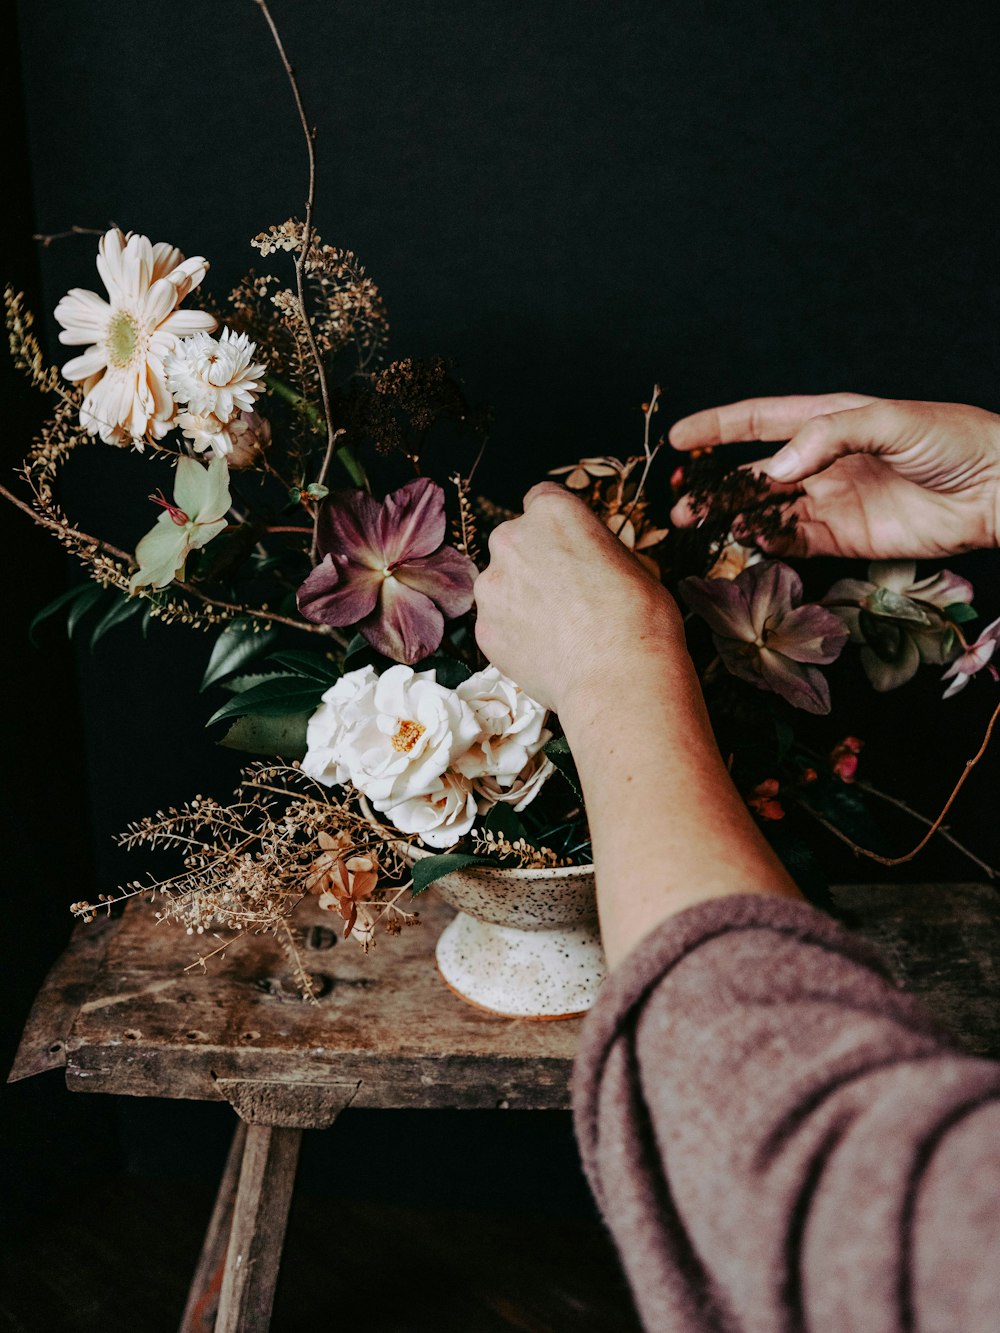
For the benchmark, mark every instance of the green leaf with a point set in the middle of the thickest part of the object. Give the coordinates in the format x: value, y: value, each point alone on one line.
x: 960, y: 612
x: 240, y: 684
x: 272, y: 698
x: 84, y: 603
x: 304, y: 663
x: 237, y: 645
x: 559, y: 752
x: 282, y: 736
x: 91, y: 590
x: 503, y: 819
x: 360, y: 653
x: 449, y: 671
x: 117, y: 615
x: 430, y: 868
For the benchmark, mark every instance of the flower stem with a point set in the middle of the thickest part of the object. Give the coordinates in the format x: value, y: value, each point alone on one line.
x: 343, y: 452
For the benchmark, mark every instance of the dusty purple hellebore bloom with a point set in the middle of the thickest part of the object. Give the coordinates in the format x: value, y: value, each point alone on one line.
x: 765, y: 636
x: 386, y: 572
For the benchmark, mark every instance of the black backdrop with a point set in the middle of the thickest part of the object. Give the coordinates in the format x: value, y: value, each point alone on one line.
x: 575, y: 199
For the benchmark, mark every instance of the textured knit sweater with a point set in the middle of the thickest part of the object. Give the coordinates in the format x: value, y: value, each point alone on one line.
x: 780, y: 1140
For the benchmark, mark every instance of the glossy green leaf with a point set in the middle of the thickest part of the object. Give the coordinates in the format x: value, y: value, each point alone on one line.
x: 272, y: 698
x: 284, y: 737
x: 123, y: 609
x: 90, y: 592
x: 430, y: 868
x: 86, y: 602
x: 237, y: 646
x: 961, y: 612
x: 559, y: 752
x: 304, y: 663
x: 450, y: 672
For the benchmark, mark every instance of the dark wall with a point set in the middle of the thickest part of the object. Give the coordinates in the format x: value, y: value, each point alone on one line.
x: 575, y: 199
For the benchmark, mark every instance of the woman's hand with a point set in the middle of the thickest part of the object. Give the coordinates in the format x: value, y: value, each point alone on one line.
x: 564, y: 606
x: 881, y: 479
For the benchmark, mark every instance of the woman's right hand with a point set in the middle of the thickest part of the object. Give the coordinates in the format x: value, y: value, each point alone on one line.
x: 879, y: 478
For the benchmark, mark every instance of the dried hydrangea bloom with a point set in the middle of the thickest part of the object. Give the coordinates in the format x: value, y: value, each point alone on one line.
x: 129, y: 335
x: 766, y: 636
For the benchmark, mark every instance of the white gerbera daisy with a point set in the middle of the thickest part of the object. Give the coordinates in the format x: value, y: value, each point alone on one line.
x: 215, y: 376
x: 127, y: 337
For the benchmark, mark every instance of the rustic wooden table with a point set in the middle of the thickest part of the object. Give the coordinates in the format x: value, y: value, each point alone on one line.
x: 122, y: 1015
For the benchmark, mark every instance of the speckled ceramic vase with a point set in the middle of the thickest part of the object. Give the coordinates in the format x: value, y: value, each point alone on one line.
x: 525, y: 943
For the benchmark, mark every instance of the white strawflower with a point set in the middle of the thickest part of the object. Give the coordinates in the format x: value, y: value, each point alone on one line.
x: 126, y: 398
x: 393, y: 739
x: 511, y: 727
x: 521, y: 792
x: 215, y: 376
x: 206, y: 432
x: 346, y: 706
x: 440, y: 816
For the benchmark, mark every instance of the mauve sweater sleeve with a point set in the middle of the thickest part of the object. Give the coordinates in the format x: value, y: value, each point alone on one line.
x: 780, y: 1140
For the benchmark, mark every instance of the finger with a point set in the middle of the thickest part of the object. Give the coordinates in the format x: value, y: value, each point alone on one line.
x: 766, y: 419
x: 871, y: 429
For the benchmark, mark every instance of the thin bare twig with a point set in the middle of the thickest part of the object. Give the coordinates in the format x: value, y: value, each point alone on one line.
x: 858, y: 850
x: 923, y: 819
x: 649, y: 453
x: 46, y: 238
x: 300, y: 263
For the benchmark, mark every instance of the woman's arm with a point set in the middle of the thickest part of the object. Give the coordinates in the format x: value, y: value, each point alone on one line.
x: 603, y: 644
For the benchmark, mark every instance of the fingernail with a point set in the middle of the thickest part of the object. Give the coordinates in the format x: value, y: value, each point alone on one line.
x: 782, y: 465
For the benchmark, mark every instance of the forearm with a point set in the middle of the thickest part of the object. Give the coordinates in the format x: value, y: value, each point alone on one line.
x: 668, y: 827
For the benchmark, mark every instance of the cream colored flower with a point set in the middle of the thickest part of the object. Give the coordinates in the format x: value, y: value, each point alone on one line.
x: 521, y: 792
x: 511, y: 727
x: 206, y: 432
x: 127, y: 337
x: 441, y: 816
x: 215, y: 376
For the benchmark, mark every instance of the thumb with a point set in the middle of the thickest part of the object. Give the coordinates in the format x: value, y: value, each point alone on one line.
x: 872, y: 429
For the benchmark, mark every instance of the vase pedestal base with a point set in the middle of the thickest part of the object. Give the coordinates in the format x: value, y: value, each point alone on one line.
x: 543, y: 974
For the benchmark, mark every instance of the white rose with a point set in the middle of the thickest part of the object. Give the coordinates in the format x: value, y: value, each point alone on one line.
x: 511, y: 727
x: 440, y: 816
x: 522, y: 790
x: 412, y: 730
x: 345, y: 707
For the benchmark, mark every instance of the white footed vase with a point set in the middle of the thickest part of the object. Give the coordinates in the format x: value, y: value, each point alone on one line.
x: 525, y: 943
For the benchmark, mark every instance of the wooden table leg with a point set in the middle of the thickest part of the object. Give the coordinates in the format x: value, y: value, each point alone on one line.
x: 260, y: 1215
x: 203, y: 1298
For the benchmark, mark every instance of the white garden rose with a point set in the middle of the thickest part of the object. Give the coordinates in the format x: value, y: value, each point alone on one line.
x: 521, y: 792
x: 408, y: 732
x: 441, y: 816
x: 511, y: 727
x: 346, y: 706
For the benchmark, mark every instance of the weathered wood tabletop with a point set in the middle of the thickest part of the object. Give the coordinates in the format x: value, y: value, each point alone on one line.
x: 123, y: 1015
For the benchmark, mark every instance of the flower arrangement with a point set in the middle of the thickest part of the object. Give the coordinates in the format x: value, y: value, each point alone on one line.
x: 299, y: 527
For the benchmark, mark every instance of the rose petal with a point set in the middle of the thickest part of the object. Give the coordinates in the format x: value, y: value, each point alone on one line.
x: 405, y: 626
x: 446, y: 577
x: 411, y: 521
x: 339, y: 593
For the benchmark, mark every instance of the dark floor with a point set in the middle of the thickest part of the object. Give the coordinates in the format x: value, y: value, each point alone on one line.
x: 118, y: 1257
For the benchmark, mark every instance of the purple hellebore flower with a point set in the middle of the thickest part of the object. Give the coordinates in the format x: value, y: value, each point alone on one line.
x: 386, y: 572
x: 973, y: 659
x: 765, y: 636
